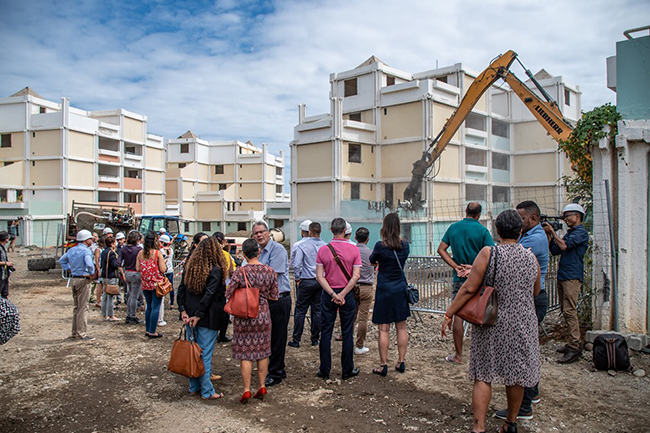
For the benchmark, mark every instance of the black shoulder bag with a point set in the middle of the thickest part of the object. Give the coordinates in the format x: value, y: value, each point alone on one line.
x: 412, y: 293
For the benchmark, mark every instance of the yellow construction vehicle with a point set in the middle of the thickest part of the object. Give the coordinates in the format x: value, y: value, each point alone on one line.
x: 546, y: 112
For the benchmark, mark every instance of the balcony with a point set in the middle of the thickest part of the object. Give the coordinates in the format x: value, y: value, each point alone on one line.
x: 132, y: 183
x: 109, y: 156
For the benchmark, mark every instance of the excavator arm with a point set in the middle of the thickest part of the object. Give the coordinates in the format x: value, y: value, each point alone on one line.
x: 546, y: 112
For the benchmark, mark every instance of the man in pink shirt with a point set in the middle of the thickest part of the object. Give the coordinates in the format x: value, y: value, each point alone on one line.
x: 337, y: 281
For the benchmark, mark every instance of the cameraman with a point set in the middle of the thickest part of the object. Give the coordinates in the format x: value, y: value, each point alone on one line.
x: 570, y: 274
x: 6, y: 267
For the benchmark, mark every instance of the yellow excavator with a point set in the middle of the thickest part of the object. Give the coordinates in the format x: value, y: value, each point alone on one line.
x: 546, y: 112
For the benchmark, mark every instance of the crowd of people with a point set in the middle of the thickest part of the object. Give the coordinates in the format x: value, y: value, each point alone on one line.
x: 337, y: 279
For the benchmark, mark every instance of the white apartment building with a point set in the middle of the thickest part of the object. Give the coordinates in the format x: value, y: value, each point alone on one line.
x: 356, y: 160
x: 221, y: 185
x: 53, y: 154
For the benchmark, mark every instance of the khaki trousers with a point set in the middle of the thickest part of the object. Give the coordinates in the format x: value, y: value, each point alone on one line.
x: 81, y: 295
x: 568, y: 293
x: 366, y: 295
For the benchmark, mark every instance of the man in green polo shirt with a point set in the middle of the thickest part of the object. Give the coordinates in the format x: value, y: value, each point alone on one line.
x: 466, y: 238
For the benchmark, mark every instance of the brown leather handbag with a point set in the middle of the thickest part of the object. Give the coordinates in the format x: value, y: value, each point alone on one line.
x: 110, y: 289
x: 244, y: 302
x: 481, y: 309
x: 186, y: 356
x: 163, y: 287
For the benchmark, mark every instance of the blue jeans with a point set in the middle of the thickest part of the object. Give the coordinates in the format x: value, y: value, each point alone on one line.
x: 205, y: 338
x: 309, y: 293
x: 328, y: 317
x: 152, y: 312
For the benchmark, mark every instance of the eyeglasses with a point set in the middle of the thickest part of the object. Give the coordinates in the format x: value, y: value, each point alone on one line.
x: 567, y: 215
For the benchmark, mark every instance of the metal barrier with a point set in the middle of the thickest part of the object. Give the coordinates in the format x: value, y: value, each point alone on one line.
x: 434, y: 278
x: 178, y: 271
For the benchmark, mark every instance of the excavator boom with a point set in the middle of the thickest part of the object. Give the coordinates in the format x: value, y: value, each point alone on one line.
x: 547, y: 113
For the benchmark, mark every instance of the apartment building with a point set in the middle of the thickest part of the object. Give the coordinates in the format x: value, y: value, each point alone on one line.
x: 53, y: 154
x: 222, y: 185
x: 356, y: 160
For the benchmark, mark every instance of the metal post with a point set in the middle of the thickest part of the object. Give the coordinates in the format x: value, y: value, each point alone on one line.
x: 613, y: 253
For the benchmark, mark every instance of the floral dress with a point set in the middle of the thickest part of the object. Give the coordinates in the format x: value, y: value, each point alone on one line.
x: 252, y: 337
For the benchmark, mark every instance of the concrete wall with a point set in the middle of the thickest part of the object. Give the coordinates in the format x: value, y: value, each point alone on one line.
x: 633, y: 78
x: 45, y: 143
x: 400, y: 121
x: 314, y: 160
x: 81, y: 145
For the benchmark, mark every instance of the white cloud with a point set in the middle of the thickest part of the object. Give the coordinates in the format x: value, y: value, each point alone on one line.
x: 226, y: 72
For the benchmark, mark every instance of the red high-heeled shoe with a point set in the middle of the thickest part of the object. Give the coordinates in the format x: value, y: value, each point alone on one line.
x: 245, y: 397
x: 261, y: 393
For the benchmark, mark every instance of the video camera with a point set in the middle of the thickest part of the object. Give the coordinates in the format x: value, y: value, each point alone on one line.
x: 554, y: 221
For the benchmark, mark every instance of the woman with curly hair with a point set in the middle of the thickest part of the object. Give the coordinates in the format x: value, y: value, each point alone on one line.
x: 151, y: 265
x: 201, y: 297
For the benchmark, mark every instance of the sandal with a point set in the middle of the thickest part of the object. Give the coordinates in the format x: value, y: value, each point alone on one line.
x: 382, y: 370
x: 215, y: 377
x: 401, y: 367
x: 215, y: 396
x: 508, y: 427
x: 451, y: 359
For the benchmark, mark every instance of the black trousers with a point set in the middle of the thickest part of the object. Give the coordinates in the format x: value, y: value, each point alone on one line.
x: 309, y: 292
x: 4, y: 288
x: 280, y: 313
x: 541, y: 307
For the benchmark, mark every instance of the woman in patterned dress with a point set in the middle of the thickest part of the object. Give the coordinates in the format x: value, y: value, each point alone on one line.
x: 200, y: 298
x: 508, y: 352
x: 252, y: 337
x: 151, y: 265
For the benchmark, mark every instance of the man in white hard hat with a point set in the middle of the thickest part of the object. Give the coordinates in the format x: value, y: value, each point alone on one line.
x: 570, y: 274
x: 348, y: 233
x: 79, y: 261
x: 107, y: 231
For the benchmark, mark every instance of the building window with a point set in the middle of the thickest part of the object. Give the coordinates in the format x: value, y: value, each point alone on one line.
x: 350, y: 87
x: 567, y: 97
x: 388, y: 194
x: 223, y: 186
x: 133, y: 174
x: 500, y: 128
x: 475, y: 157
x: 6, y: 140
x: 406, y: 232
x: 355, y: 190
x: 475, y: 121
x: 390, y: 81
x: 181, y: 165
x: 107, y: 197
x: 500, y: 161
x: 131, y: 198
x: 442, y: 79
x: 241, y: 227
x: 186, y: 226
x: 41, y: 110
x: 278, y: 189
x: 278, y: 171
x: 475, y: 192
x: 206, y: 226
x: 500, y: 194
x: 278, y: 223
x: 355, y: 116
x: 218, y: 169
x: 185, y: 147
x: 354, y: 153
x: 8, y: 163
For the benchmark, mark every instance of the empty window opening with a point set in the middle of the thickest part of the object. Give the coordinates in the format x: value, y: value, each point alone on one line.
x: 354, y: 153
x: 500, y: 128
x: 181, y: 165
x: 355, y: 116
x: 390, y: 81
x: 500, y: 161
x: 388, y: 194
x: 475, y: 157
x: 500, y: 194
x: 355, y: 191
x: 475, y: 121
x: 206, y: 226
x: 185, y: 148
x: 475, y: 192
x: 218, y: 169
x: 223, y: 186
x: 350, y: 87
x: 6, y: 140
x: 241, y: 227
x: 567, y: 97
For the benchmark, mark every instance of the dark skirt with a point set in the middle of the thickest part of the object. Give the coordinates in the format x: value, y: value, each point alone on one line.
x: 391, y: 305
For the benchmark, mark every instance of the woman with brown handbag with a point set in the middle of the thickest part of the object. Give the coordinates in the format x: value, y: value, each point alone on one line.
x: 507, y: 352
x: 151, y: 265
x: 109, y: 275
x: 200, y: 298
x: 251, y: 339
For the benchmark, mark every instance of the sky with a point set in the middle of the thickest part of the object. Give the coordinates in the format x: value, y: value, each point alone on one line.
x: 237, y: 70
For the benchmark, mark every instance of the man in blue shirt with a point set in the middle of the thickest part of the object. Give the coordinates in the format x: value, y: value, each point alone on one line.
x: 275, y: 255
x: 308, y: 291
x: 533, y: 238
x: 79, y: 261
x: 570, y: 274
x: 466, y: 238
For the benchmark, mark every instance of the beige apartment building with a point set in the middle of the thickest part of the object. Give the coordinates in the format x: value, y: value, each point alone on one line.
x: 356, y: 160
x: 222, y: 185
x: 53, y: 154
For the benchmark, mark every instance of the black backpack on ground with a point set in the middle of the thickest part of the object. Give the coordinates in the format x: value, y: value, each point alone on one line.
x: 610, y: 352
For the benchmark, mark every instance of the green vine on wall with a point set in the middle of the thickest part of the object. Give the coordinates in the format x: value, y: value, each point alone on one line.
x: 585, y: 136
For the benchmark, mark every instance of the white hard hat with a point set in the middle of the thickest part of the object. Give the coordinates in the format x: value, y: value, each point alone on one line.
x: 165, y: 239
x: 162, y: 230
x: 107, y: 230
x: 574, y: 207
x: 83, y: 235
x: 348, y: 228
x: 119, y: 236
x: 304, y: 226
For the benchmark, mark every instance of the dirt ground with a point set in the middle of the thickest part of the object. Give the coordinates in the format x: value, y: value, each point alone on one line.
x: 119, y: 382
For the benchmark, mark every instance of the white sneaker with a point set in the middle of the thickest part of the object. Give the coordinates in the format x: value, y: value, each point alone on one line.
x: 361, y: 351
x: 162, y: 323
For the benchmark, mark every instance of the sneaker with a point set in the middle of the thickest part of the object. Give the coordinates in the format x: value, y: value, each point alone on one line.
x: 294, y: 343
x: 162, y: 323
x: 361, y: 350
x: 536, y: 399
x: 86, y: 338
x: 503, y: 414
